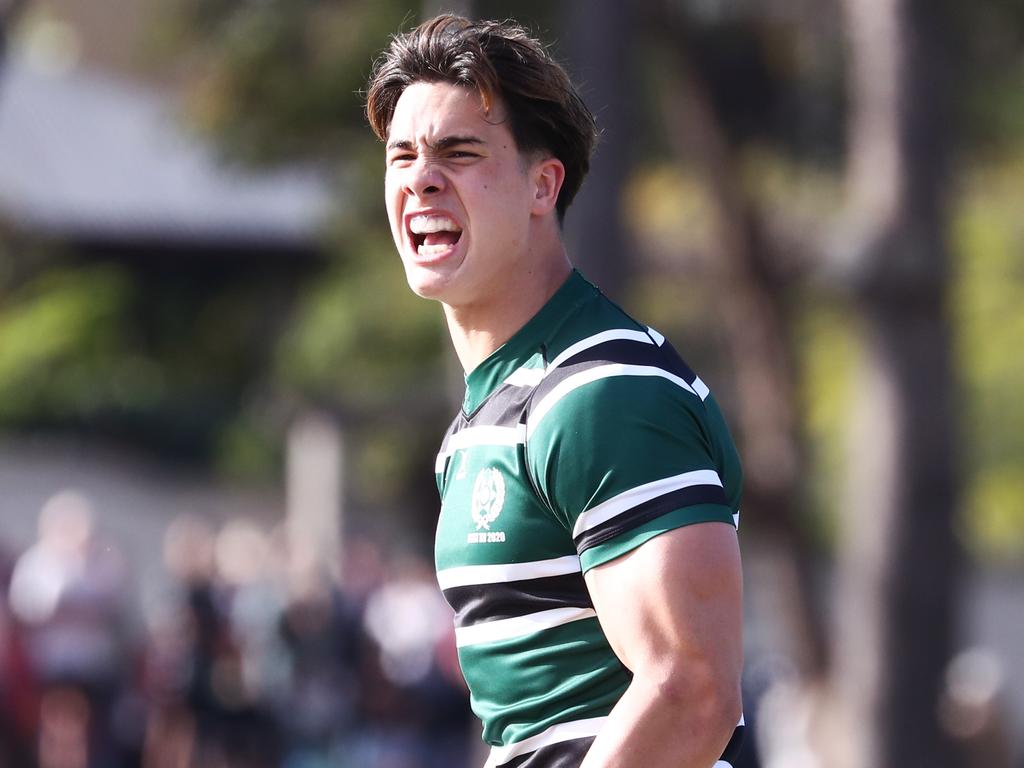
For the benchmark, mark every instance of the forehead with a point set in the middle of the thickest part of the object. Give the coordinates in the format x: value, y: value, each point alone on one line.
x: 430, y: 111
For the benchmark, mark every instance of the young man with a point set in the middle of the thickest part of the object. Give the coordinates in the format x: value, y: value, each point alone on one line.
x: 589, y: 486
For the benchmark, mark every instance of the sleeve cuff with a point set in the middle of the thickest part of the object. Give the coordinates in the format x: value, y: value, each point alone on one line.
x: 633, y: 538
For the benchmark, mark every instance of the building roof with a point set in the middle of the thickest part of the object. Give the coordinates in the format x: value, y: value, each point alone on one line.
x: 86, y: 156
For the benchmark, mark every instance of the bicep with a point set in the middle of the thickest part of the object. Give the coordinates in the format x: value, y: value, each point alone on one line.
x: 675, y: 601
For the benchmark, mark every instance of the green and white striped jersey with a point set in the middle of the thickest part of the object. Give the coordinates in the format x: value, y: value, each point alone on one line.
x: 582, y: 437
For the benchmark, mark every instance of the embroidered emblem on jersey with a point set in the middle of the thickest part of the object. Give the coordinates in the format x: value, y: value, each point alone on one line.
x: 488, y: 499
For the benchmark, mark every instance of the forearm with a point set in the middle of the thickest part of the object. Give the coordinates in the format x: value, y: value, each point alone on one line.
x: 679, y: 723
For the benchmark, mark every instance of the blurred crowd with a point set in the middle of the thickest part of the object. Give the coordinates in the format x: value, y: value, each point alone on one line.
x: 256, y: 654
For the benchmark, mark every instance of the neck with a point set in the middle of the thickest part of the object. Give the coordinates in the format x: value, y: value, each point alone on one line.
x: 477, y: 330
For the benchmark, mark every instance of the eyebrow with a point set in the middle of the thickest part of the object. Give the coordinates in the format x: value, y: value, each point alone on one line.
x: 446, y: 142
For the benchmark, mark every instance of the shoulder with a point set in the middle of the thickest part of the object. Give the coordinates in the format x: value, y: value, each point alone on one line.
x: 612, y: 374
x: 615, y: 410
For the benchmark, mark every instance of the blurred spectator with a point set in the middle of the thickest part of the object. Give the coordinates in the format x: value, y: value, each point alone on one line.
x: 320, y: 627
x: 417, y: 705
x: 973, y: 708
x: 201, y: 711
x: 18, y: 694
x: 257, y: 657
x: 70, y: 592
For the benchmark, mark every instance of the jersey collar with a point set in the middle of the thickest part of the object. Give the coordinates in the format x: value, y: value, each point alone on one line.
x: 527, y: 342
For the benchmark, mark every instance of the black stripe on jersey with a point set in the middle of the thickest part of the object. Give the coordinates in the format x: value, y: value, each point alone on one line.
x: 678, y: 365
x: 732, y: 749
x: 476, y: 603
x: 649, y: 510
x: 619, y: 351
x: 564, y: 754
x: 502, y: 408
x: 634, y: 353
x: 458, y: 423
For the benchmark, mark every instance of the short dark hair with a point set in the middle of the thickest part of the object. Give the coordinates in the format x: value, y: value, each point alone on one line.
x: 500, y: 60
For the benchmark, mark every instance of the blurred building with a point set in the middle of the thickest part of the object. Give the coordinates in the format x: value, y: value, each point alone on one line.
x: 106, y: 166
x: 97, y: 168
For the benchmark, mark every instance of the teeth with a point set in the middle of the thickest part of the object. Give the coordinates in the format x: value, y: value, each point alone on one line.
x: 423, y: 225
x: 432, y: 250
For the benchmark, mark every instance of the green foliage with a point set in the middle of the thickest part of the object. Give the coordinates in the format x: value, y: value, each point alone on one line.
x: 360, y: 335
x: 249, y: 448
x: 59, y: 347
x: 162, y: 361
x: 281, y: 79
x: 989, y: 308
x: 827, y: 359
x: 987, y: 38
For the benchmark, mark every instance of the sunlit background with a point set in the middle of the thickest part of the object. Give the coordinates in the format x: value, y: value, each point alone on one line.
x: 220, y: 404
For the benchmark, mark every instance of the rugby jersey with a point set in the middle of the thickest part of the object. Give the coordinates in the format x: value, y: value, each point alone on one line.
x: 582, y: 437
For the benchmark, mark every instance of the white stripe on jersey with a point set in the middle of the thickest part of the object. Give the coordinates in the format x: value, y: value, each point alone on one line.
x: 626, y: 500
x: 503, y: 572
x: 525, y: 377
x: 486, y: 435
x: 531, y: 377
x: 517, y: 626
x: 594, y: 374
x: 557, y: 733
x: 615, y: 334
x: 700, y: 388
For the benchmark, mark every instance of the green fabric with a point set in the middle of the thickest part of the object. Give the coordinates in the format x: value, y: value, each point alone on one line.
x: 521, y: 348
x: 614, y: 434
x: 508, y: 499
x: 627, y: 542
x: 568, y: 665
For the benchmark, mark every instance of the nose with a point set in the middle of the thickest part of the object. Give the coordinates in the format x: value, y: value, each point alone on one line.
x: 425, y: 178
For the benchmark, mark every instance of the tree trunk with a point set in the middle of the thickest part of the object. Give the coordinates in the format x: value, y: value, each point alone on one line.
x: 756, y: 316
x: 898, y: 569
x: 598, y: 37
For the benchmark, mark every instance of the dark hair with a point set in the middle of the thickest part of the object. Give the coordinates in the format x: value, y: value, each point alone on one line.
x: 500, y: 60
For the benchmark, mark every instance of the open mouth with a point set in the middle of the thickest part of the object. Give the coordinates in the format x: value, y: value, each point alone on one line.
x: 433, y: 234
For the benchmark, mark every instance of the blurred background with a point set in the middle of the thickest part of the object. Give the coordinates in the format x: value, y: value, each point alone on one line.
x: 220, y: 404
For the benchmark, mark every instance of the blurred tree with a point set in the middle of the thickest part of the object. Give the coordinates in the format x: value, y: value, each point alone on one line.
x: 281, y: 82
x: 989, y: 306
x: 154, y: 356
x: 899, y: 561
x: 751, y: 110
x: 599, y: 55
x: 360, y: 343
x: 756, y: 308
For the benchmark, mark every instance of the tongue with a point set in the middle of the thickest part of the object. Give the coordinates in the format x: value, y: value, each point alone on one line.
x: 441, y: 238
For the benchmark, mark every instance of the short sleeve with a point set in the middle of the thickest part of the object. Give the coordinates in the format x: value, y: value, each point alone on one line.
x: 621, y: 459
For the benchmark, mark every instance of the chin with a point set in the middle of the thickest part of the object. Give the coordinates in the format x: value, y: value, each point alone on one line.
x: 426, y: 284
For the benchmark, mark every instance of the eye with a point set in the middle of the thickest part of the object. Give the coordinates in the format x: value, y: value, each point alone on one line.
x: 401, y: 158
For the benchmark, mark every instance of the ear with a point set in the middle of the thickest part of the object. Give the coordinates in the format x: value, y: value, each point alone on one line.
x: 548, y: 173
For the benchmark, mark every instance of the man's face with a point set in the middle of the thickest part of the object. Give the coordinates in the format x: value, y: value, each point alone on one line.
x: 459, y: 194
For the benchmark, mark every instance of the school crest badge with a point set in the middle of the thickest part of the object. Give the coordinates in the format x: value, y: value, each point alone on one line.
x: 488, y: 497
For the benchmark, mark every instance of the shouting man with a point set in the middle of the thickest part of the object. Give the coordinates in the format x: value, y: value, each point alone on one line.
x: 589, y: 486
